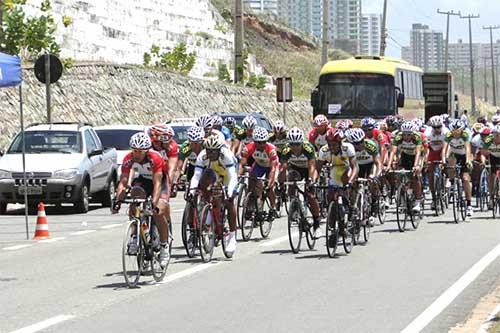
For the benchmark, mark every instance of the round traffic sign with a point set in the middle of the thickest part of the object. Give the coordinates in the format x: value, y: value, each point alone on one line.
x: 56, y: 68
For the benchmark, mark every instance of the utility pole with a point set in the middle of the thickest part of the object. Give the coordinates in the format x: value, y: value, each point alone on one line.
x: 485, y: 80
x: 383, y: 31
x: 326, y: 16
x: 493, y: 77
x: 472, y: 95
x: 448, y: 13
x: 238, y: 41
x: 1, y: 23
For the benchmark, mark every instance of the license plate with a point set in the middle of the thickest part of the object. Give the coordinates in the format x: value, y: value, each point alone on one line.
x: 30, y: 190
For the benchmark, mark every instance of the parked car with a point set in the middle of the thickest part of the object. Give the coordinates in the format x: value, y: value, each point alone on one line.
x: 65, y: 163
x: 262, y: 120
x: 118, y: 137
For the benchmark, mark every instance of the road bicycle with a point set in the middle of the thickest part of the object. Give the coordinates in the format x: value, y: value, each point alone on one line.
x: 457, y: 194
x: 482, y: 189
x: 338, y: 222
x: 439, y: 193
x: 257, y: 212
x: 362, y: 207
x: 496, y: 195
x: 299, y: 218
x: 242, y: 192
x: 189, y: 225
x: 405, y: 200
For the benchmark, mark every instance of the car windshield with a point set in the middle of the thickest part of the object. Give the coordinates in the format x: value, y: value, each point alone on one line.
x: 116, y: 138
x: 180, y: 133
x: 260, y: 122
x: 47, y: 142
x: 357, y: 95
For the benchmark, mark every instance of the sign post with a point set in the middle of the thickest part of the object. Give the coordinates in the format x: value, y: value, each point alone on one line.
x: 284, y: 93
x: 48, y: 70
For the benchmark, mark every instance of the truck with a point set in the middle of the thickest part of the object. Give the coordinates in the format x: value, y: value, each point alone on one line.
x: 439, y: 94
x: 65, y: 163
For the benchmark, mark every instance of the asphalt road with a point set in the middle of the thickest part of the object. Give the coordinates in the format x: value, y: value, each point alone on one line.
x: 73, y: 283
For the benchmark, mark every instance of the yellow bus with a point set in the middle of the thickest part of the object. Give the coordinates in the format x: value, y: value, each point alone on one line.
x: 369, y: 86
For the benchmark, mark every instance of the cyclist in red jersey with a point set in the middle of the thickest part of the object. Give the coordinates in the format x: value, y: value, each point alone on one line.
x: 148, y: 173
x: 161, y: 136
x: 266, y: 163
x: 317, y: 136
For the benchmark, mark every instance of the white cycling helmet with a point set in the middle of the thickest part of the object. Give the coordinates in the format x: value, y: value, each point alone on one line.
x: 205, y: 121
x: 457, y: 124
x: 260, y: 134
x: 495, y: 119
x: 436, y: 121
x: 321, y: 120
x: 408, y: 127
x: 354, y: 135
x: 295, y: 135
x: 140, y: 141
x: 217, y: 121
x: 249, y: 122
x: 495, y: 129
x: 279, y: 127
x: 196, y: 134
x: 214, y: 142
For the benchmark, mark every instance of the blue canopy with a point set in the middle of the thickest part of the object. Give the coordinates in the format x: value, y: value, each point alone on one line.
x: 10, y: 70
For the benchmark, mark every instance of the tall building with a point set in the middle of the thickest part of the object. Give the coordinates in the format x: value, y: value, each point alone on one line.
x: 297, y: 14
x: 370, y: 34
x: 427, y: 48
x: 459, y: 54
x: 263, y: 6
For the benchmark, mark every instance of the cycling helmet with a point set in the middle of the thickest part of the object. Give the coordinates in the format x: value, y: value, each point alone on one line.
x: 334, y: 134
x: 249, y: 122
x: 436, y: 121
x: 457, y: 124
x: 392, y: 121
x: 167, y: 134
x: 260, y: 134
x: 295, y: 135
x: 214, y: 142
x: 419, y: 123
x: 217, y: 121
x: 341, y: 125
x: 368, y: 123
x: 495, y: 119
x: 482, y: 120
x: 196, y: 134
x: 156, y: 131
x: 140, y: 141
x: 205, y: 121
x: 445, y: 117
x: 477, y: 127
x: 321, y: 120
x: 349, y: 123
x: 486, y: 131
x: 279, y: 127
x: 408, y: 127
x: 355, y: 135
x: 230, y: 122
x: 496, y: 129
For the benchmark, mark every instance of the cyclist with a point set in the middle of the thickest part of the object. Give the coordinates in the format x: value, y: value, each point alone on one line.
x: 495, y: 120
x: 377, y: 135
x: 266, y: 163
x: 317, y: 135
x: 230, y: 124
x: 408, y: 143
x: 457, y: 149
x: 491, y: 150
x: 149, y: 173
x: 435, y: 134
x: 217, y: 163
x: 299, y: 159
x: 206, y: 122
x: 162, y: 140
x: 244, y: 134
x: 218, y: 126
x: 278, y: 136
x: 188, y: 153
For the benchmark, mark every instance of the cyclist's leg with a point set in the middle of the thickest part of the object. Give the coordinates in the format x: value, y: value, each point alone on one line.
x: 466, y: 179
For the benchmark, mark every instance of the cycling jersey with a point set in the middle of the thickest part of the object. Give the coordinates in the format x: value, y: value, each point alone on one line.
x: 152, y: 164
x: 171, y: 151
x: 241, y: 135
x: 316, y: 139
x: 490, y: 145
x: 279, y: 143
x: 263, y: 158
x: 380, y: 137
x: 226, y: 132
x: 407, y: 147
x: 457, y: 145
x: 476, y: 142
x: 436, y: 139
x: 224, y: 167
x: 339, y: 161
x: 300, y: 161
x: 185, y: 153
x: 368, y: 153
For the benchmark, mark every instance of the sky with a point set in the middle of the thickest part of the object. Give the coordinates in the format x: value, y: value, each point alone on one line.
x: 401, y: 14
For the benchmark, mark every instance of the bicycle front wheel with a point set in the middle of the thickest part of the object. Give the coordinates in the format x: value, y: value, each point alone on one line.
x: 401, y: 209
x: 225, y: 234
x: 132, y: 260
x: 158, y: 271
x: 267, y: 222
x: 461, y: 200
x: 496, y: 198
x: 188, y: 231
x: 248, y: 217
x: 242, y: 193
x: 332, y: 230
x: 294, y: 225
x: 348, y: 236
x: 206, y: 230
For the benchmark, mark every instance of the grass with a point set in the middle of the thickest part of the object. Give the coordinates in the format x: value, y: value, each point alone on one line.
x: 495, y: 327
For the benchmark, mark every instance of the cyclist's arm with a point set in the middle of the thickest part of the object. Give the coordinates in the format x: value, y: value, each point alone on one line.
x: 195, y: 180
x: 272, y: 173
x: 418, y: 156
x: 241, y: 165
x: 353, y: 173
x: 157, y: 182
x: 122, y: 186
x: 232, y: 180
x: 319, y: 164
x: 444, y: 152
x: 179, y: 170
x: 484, y: 154
x: 235, y: 145
x: 311, y: 167
x: 468, y: 153
x: 393, y: 155
x: 172, y: 166
x: 378, y: 164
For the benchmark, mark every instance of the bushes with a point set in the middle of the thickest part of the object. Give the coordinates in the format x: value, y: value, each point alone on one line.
x: 176, y: 60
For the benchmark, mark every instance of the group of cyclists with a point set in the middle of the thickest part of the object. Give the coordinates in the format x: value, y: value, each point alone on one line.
x: 221, y: 151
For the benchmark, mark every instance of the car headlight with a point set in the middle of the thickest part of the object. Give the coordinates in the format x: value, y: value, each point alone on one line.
x: 5, y: 174
x: 66, y: 173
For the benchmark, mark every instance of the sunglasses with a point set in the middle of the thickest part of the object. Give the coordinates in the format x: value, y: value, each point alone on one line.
x: 437, y: 127
x: 295, y: 144
x: 139, y: 150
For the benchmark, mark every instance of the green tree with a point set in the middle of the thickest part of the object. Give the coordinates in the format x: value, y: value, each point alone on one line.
x: 223, y: 74
x: 26, y: 36
x: 176, y: 60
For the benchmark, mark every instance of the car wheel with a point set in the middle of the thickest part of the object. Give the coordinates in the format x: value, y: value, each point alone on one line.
x: 108, y: 194
x: 3, y: 207
x: 82, y: 205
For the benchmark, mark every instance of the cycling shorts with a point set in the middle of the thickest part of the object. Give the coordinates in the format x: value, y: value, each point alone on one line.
x: 495, y: 164
x: 407, y: 162
x: 259, y: 170
x: 147, y: 185
x: 365, y: 170
x: 434, y: 155
x: 297, y: 174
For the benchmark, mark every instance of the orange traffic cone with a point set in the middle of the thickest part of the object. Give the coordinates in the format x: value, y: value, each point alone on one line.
x: 42, y: 227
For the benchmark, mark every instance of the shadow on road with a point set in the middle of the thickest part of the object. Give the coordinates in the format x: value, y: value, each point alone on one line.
x: 280, y: 252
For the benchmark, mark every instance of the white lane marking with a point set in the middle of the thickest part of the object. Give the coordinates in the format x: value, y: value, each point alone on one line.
x: 44, y: 324
x: 110, y: 226
x: 52, y: 240
x: 83, y: 232
x: 177, y: 210
x: 488, y: 322
x: 277, y: 240
x: 452, y: 292
x: 17, y: 247
x: 187, y: 272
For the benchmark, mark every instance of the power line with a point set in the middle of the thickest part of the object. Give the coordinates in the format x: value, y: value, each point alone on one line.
x: 448, y: 13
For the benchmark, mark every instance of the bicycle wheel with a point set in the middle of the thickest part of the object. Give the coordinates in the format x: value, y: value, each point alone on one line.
x: 225, y: 233
x: 279, y: 202
x: 414, y: 220
x: 188, y: 232
x: 483, y: 190
x: 401, y: 208
x: 381, y: 204
x: 332, y: 229
x: 266, y: 224
x: 294, y: 225
x: 242, y: 192
x: 496, y: 198
x: 248, y: 218
x: 206, y: 231
x: 132, y: 263
x: 158, y: 271
x: 455, y: 201
x: 348, y: 236
x: 461, y: 200
x: 311, y: 241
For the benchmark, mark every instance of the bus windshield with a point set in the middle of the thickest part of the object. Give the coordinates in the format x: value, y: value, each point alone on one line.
x: 357, y: 95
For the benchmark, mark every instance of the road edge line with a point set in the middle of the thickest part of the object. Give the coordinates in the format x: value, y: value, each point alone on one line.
x: 44, y: 324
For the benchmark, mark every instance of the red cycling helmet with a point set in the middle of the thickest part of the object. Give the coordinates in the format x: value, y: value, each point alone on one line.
x: 486, y: 131
x: 334, y: 134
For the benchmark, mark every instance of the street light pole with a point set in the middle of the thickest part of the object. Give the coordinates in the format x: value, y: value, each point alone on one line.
x: 238, y: 41
x: 493, y: 77
x: 448, y: 13
x: 324, y: 50
x: 472, y: 94
x: 383, y: 31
